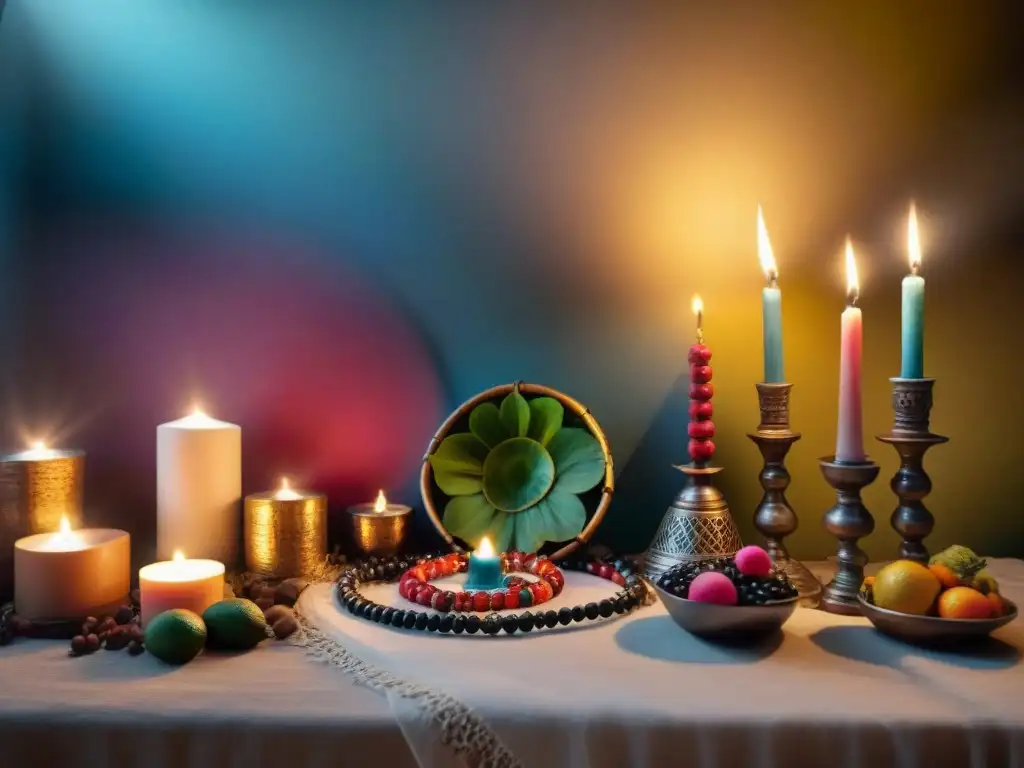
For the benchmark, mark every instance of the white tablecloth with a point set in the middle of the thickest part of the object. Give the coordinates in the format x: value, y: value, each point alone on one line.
x: 632, y: 692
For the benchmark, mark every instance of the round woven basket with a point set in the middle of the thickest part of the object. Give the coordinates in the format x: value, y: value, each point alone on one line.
x: 599, y: 499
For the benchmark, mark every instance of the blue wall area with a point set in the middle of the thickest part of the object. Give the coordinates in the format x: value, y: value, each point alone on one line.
x: 486, y: 196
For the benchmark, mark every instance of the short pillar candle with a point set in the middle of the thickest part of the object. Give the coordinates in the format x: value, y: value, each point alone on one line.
x: 71, y: 574
x: 484, y: 568
x: 194, y: 585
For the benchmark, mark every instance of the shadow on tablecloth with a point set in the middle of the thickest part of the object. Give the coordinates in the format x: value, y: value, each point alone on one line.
x: 659, y: 638
x: 867, y: 645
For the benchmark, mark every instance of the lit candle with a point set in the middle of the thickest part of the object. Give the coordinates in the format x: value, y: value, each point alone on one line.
x: 771, y: 307
x: 194, y: 585
x: 285, y: 532
x: 700, y: 429
x: 913, y: 306
x: 484, y: 568
x: 199, y: 487
x: 379, y: 527
x: 46, y: 484
x: 71, y: 574
x: 850, y: 437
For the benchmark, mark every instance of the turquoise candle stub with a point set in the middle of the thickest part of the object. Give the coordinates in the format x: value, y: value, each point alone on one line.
x: 771, y: 312
x: 913, y: 328
x: 484, y: 573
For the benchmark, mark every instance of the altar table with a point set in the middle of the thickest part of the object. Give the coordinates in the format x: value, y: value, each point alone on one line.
x: 633, y: 692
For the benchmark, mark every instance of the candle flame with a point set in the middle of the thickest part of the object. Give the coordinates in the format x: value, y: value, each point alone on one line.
x: 764, y: 249
x: 39, y: 445
x: 179, y: 557
x: 913, y: 241
x: 852, y: 282
x: 381, y: 504
x: 285, y: 492
x: 485, y: 548
x: 65, y: 525
x: 198, y: 412
x: 697, y: 304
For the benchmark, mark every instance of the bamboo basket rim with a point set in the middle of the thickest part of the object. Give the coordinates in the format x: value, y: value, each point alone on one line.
x: 573, y: 406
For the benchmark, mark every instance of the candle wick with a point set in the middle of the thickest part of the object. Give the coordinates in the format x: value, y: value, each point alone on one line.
x: 700, y: 335
x: 915, y: 268
x: 773, y: 279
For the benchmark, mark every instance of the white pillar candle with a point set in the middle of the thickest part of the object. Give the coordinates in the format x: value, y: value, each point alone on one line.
x: 71, y: 574
x: 194, y: 585
x: 198, y: 488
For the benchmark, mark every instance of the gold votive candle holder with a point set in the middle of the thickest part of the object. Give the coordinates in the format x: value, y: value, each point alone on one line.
x: 285, y: 533
x: 38, y: 488
x: 380, y: 528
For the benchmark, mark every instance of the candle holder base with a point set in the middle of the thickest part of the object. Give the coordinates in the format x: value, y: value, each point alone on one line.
x: 849, y: 521
x: 696, y: 527
x: 774, y: 518
x: 911, y: 437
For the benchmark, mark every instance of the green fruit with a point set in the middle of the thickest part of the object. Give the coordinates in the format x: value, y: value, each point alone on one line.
x: 234, y: 625
x: 962, y: 561
x: 176, y: 636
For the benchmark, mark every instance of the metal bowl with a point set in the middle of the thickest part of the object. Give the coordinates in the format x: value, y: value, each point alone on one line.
x: 727, y: 622
x: 932, y: 629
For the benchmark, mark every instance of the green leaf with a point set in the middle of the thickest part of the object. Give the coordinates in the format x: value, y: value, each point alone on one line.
x: 546, y: 416
x: 470, y: 518
x: 458, y: 464
x: 515, y: 414
x: 501, y: 531
x: 559, y: 516
x: 517, y: 474
x: 485, y: 423
x: 579, y: 461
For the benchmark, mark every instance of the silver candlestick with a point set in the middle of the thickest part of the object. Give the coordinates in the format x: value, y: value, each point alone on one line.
x: 774, y: 518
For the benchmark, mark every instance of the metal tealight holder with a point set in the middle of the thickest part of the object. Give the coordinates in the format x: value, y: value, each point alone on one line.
x: 774, y: 518
x: 911, y: 437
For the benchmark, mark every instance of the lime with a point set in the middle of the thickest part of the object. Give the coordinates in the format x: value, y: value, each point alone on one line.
x: 234, y: 625
x: 176, y: 636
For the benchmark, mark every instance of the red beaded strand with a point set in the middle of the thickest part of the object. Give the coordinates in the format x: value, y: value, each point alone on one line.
x: 518, y: 592
x: 701, y: 428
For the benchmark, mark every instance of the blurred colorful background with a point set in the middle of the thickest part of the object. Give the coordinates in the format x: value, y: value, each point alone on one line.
x: 333, y: 222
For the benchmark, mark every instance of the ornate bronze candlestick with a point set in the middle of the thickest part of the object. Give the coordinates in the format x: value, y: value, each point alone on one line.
x: 849, y: 520
x: 911, y: 437
x: 774, y: 517
x: 698, y: 525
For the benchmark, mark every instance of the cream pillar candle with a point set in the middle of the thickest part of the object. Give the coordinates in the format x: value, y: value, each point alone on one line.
x: 179, y: 583
x: 198, y: 488
x: 71, y: 574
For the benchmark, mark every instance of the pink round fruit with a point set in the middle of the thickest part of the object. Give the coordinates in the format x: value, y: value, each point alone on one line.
x: 701, y: 429
x: 701, y: 410
x: 713, y: 587
x: 700, y: 373
x: 699, y: 355
x: 754, y: 561
x: 702, y: 450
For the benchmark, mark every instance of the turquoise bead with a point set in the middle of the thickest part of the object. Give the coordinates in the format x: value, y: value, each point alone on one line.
x: 525, y: 598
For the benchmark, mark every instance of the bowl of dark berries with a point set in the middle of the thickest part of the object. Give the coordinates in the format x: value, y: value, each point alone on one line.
x: 729, y: 598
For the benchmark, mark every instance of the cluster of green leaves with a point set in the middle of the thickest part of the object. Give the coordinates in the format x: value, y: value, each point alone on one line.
x: 515, y: 476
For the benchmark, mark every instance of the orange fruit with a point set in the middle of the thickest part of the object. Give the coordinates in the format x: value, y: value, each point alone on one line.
x: 906, y: 587
x: 996, y: 601
x: 945, y: 575
x: 964, y: 603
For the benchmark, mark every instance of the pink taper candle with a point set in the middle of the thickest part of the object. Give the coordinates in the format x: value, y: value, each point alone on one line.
x: 850, y: 437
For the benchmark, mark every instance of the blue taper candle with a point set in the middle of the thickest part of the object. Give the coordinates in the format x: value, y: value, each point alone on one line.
x: 912, y: 364
x: 771, y: 308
